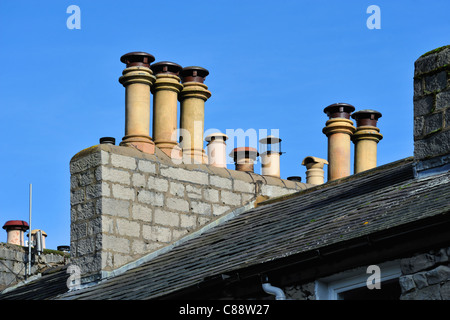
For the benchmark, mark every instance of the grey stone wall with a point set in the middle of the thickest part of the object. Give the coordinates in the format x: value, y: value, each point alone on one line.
x: 432, y: 107
x: 126, y: 204
x: 426, y: 276
x: 13, y: 263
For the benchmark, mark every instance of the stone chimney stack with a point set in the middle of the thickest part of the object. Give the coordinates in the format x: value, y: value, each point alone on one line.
x: 244, y: 158
x: 314, y: 170
x: 366, y: 138
x: 192, y: 108
x: 15, y: 230
x: 165, y: 103
x: 432, y: 111
x: 270, y: 152
x: 216, y: 148
x: 137, y: 78
x: 339, y: 129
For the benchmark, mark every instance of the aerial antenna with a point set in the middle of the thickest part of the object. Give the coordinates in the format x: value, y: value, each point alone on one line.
x: 29, y: 233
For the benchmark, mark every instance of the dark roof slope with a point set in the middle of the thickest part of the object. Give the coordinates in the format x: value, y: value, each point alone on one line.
x: 375, y: 200
x: 50, y: 284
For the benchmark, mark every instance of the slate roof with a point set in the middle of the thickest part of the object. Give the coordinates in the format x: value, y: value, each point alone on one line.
x: 349, y: 208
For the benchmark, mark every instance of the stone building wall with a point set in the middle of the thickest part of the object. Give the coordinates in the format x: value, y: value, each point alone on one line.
x: 426, y: 276
x: 126, y: 204
x: 13, y: 263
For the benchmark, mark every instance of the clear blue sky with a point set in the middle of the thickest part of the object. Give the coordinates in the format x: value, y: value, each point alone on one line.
x: 273, y: 65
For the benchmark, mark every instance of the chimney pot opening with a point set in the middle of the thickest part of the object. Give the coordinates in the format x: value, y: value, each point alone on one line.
x: 107, y: 140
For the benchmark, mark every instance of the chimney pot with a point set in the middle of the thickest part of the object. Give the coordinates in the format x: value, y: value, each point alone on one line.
x: 15, y: 230
x: 244, y: 158
x: 107, y: 140
x: 270, y: 148
x: 366, y: 138
x: 137, y: 59
x: 295, y: 178
x: 193, y: 74
x: 217, y: 149
x: 314, y: 170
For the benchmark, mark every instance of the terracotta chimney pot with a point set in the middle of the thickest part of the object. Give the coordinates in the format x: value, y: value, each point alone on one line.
x: 15, y: 230
x: 314, y: 170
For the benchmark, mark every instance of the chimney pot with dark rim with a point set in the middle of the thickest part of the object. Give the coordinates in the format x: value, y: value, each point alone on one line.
x: 339, y: 129
x: 366, y: 138
x: 244, y: 158
x: 107, y: 140
x: 192, y: 108
x: 137, y: 78
x: 270, y: 152
x: 165, y: 106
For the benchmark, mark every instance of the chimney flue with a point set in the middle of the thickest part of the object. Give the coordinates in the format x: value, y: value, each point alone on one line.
x: 339, y: 129
x: 216, y: 149
x: 192, y: 108
x: 366, y: 139
x: 137, y: 78
x: 15, y: 230
x: 270, y: 152
x: 244, y: 158
x: 165, y: 103
x: 314, y: 170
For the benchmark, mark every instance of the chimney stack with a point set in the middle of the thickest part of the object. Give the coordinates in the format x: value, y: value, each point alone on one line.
x: 192, y: 108
x: 270, y: 152
x: 366, y: 138
x: 165, y: 103
x: 314, y: 170
x: 216, y: 148
x: 244, y: 158
x: 137, y: 78
x: 339, y: 129
x: 15, y: 230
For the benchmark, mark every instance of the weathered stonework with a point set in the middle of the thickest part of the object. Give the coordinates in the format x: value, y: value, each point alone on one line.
x: 432, y: 106
x: 126, y: 204
x: 14, y: 263
x: 426, y: 276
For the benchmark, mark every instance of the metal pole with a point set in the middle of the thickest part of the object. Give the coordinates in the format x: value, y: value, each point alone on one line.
x: 29, y: 237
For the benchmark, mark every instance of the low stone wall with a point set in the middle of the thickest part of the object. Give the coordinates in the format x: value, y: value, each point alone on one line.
x: 13, y: 263
x: 126, y: 204
x: 426, y: 276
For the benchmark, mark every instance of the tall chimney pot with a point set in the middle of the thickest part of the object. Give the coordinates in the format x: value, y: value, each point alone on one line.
x: 216, y: 148
x: 244, y: 158
x: 366, y: 138
x: 137, y: 78
x: 165, y: 103
x: 339, y: 129
x: 15, y: 230
x: 192, y: 107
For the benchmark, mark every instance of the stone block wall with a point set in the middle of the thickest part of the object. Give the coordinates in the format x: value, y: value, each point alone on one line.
x: 432, y: 108
x: 13, y: 263
x: 426, y: 276
x: 126, y: 204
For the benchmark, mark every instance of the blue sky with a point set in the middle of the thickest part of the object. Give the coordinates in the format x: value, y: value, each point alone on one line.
x: 273, y: 65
